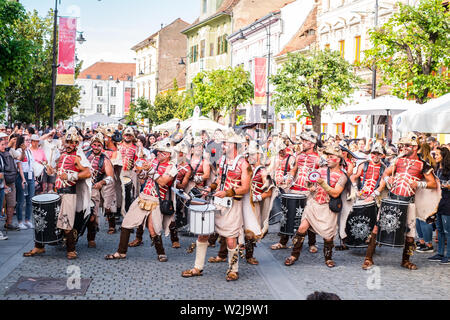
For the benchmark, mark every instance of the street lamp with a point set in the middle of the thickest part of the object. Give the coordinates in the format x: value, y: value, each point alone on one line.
x: 242, y: 37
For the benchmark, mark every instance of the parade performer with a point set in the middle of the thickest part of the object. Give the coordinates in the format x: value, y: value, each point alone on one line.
x: 129, y: 151
x: 102, y: 173
x: 257, y: 203
x: 407, y: 178
x: 112, y: 138
x: 72, y: 170
x: 306, y: 161
x: 232, y: 183
x: 147, y: 207
x: 200, y: 168
x: 318, y: 213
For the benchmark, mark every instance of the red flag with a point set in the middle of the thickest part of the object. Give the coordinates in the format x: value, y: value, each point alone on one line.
x: 260, y: 80
x: 66, y: 51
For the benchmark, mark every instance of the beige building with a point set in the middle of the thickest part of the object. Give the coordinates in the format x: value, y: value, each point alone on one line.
x: 157, y: 60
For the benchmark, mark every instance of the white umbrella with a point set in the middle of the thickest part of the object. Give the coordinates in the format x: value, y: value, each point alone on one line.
x: 202, y: 123
x: 383, y: 105
x: 169, y: 125
x: 99, y: 118
x: 432, y: 117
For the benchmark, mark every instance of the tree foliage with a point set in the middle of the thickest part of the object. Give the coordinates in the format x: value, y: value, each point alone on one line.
x: 222, y: 90
x: 30, y: 101
x: 411, y: 48
x: 311, y: 82
x: 15, y: 49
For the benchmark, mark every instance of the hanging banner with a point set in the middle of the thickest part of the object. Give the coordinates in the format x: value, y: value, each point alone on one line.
x: 260, y: 81
x: 66, y: 51
x: 127, y: 97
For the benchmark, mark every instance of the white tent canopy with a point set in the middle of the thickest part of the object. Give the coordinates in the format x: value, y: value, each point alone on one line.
x: 202, y: 123
x: 379, y: 106
x: 99, y: 118
x: 432, y: 117
x: 169, y: 125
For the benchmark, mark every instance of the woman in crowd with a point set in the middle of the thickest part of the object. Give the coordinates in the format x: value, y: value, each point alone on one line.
x: 38, y: 155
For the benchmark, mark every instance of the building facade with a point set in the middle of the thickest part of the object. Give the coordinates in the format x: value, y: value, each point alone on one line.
x: 106, y: 88
x: 157, y: 61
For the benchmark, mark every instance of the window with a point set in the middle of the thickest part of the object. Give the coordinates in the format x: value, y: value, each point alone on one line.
x: 81, y: 111
x: 88, y: 76
x: 250, y: 68
x: 112, y: 109
x: 222, y: 44
x: 357, y: 48
x: 99, y: 108
x: 99, y: 76
x: 194, y: 53
x: 202, y: 48
x: 342, y: 47
x: 99, y: 91
x: 113, y: 91
x: 211, y: 49
x: 204, y: 6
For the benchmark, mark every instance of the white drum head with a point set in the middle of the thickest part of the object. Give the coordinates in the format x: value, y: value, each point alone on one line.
x: 362, y: 203
x: 293, y: 196
x: 125, y: 180
x: 46, y: 197
x: 202, y: 208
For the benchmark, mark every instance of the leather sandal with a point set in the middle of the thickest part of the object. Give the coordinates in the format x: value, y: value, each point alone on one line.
x: 92, y: 244
x: 192, y: 273
x: 162, y: 258
x: 252, y: 261
x: 135, y: 243
x: 330, y: 263
x: 313, y: 249
x: 115, y: 256
x: 176, y: 245
x: 290, y: 261
x: 33, y: 252
x: 72, y: 255
x: 111, y: 230
x: 278, y: 246
x: 409, y: 265
x: 232, y: 276
x: 368, y: 263
x: 216, y: 259
x: 342, y: 247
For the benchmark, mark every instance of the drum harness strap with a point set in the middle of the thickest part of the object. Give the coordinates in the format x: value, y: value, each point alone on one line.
x: 101, y: 161
x: 365, y: 169
x: 285, y: 171
x: 194, y: 171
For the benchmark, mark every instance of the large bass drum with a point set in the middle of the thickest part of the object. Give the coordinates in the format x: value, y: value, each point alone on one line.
x: 45, y: 212
x: 81, y: 221
x: 392, y: 222
x: 360, y: 223
x: 128, y: 185
x: 293, y: 205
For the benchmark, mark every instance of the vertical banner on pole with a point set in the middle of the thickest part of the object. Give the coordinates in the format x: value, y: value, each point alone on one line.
x: 260, y: 90
x: 127, y: 101
x: 66, y: 51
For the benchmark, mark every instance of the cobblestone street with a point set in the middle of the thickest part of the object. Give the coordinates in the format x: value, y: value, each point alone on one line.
x: 141, y: 276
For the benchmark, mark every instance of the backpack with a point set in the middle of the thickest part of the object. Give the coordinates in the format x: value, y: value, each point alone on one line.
x: 10, y: 169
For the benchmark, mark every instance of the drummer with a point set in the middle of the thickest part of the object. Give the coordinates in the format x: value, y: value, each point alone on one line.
x: 102, y: 185
x: 71, y: 170
x: 317, y: 213
x: 233, y: 182
x: 112, y: 138
x: 304, y: 163
x: 367, y: 186
x: 406, y: 178
x: 200, y: 168
x: 146, y: 208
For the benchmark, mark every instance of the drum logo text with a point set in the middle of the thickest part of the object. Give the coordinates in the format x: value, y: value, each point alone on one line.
x: 390, y: 218
x: 359, y: 227
x: 39, y: 217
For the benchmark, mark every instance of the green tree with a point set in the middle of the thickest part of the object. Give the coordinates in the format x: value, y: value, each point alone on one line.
x: 311, y: 82
x: 411, y: 48
x: 133, y: 114
x: 222, y: 90
x: 31, y: 101
x: 15, y: 49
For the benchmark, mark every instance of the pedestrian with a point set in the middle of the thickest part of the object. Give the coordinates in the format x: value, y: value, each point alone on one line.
x: 40, y: 160
x: 2, y: 177
x: 443, y: 212
x: 24, y: 182
x: 10, y: 173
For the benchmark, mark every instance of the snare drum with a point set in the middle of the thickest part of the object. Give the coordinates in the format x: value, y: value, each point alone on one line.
x: 392, y: 222
x: 201, y: 219
x: 81, y: 221
x: 293, y: 205
x: 360, y: 223
x: 127, y: 183
x: 45, y: 211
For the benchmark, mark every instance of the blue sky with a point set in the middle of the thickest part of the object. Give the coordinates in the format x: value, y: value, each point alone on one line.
x: 112, y: 27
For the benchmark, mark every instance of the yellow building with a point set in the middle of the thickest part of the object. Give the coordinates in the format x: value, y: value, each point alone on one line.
x: 207, y: 45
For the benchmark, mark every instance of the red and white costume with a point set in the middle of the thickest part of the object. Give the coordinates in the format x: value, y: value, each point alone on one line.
x: 306, y: 163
